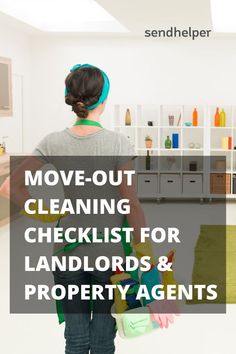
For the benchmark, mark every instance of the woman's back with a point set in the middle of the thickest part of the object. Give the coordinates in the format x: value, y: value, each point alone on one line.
x: 103, y: 142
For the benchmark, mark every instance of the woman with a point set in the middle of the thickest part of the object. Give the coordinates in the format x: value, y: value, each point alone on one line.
x: 86, y: 91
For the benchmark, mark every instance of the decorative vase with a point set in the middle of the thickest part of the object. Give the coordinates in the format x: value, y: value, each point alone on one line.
x: 168, y: 142
x: 127, y: 117
x: 148, y: 143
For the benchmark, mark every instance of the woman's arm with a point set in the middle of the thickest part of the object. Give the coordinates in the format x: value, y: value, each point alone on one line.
x: 14, y: 185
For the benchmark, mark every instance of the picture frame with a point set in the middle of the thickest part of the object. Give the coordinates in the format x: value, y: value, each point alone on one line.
x: 6, y: 108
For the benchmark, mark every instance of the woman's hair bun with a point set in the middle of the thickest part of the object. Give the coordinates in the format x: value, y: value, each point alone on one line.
x: 77, y: 106
x: 80, y: 110
x: 84, y: 87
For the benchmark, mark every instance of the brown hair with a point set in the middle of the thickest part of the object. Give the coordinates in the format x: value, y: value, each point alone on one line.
x: 84, y: 87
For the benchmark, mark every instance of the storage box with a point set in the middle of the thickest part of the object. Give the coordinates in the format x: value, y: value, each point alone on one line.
x: 234, y: 184
x: 192, y: 184
x: 220, y: 183
x: 170, y: 185
x: 220, y: 165
x: 147, y: 185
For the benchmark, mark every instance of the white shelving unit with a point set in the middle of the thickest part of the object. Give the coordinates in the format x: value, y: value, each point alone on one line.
x: 194, y: 141
x: 216, y: 135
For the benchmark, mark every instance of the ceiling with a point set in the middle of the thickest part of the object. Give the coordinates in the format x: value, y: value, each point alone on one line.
x: 138, y: 15
x: 60, y: 16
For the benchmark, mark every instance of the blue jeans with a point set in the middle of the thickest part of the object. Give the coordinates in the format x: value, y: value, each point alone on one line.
x: 85, y: 330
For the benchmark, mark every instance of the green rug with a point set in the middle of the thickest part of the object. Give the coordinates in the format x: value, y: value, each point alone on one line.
x: 215, y: 261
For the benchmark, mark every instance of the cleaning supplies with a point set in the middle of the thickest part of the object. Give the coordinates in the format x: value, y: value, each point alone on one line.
x: 132, y: 302
x: 120, y: 304
x: 38, y: 216
x: 131, y: 296
x: 150, y: 279
x: 140, y: 320
x: 144, y: 249
x: 168, y: 142
x: 128, y: 117
x: 137, y: 322
x: 217, y: 117
x: 168, y: 276
x: 195, y: 118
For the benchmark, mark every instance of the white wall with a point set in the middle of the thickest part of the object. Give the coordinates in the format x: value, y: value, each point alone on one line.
x: 14, y: 44
x: 141, y: 71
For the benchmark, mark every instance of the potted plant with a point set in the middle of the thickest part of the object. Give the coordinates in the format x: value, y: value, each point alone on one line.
x: 148, y: 142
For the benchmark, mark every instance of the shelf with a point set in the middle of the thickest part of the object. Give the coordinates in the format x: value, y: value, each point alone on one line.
x: 223, y: 171
x: 125, y: 126
x: 137, y: 126
x: 223, y: 196
x: 147, y: 171
x: 192, y: 127
x: 186, y: 196
x: 163, y: 149
x: 144, y: 149
x: 221, y: 128
x: 169, y: 172
x: 192, y: 172
x: 170, y: 127
x: 147, y: 126
x: 188, y: 149
x: 206, y: 134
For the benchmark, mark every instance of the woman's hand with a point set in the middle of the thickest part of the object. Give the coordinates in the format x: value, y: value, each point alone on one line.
x: 5, y: 188
x: 156, y: 309
x: 164, y: 319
